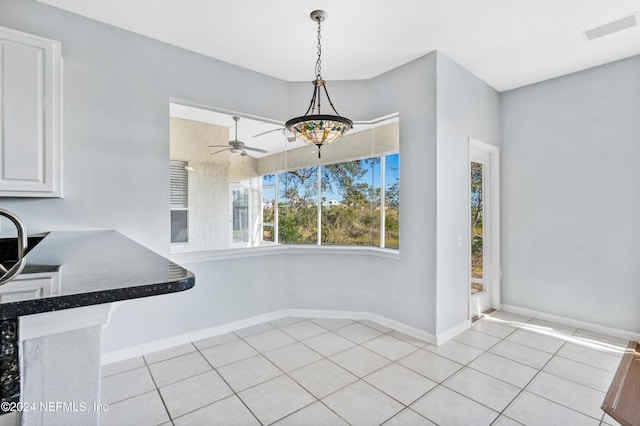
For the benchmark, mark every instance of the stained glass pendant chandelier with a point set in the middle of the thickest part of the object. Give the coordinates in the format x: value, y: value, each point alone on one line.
x: 318, y: 128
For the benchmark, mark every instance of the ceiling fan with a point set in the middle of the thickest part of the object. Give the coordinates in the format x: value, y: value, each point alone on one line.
x: 235, y: 146
x: 285, y: 132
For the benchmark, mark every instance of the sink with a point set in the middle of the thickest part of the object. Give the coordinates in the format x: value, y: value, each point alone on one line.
x: 9, y: 249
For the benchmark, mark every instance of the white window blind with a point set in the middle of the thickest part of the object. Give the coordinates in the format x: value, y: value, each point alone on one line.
x: 179, y: 177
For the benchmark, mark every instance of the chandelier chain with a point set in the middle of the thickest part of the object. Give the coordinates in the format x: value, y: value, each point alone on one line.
x: 319, y: 60
x: 319, y: 129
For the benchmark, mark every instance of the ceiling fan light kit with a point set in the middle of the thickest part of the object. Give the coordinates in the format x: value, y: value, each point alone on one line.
x: 235, y: 146
x: 319, y: 129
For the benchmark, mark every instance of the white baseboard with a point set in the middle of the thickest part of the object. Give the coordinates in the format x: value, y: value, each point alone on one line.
x: 180, y: 339
x: 452, y: 332
x: 570, y: 322
x: 169, y: 342
x: 438, y: 339
x: 387, y: 322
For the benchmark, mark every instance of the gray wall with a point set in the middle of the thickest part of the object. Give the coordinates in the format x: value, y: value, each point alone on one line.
x: 117, y: 87
x: 225, y: 291
x: 364, y: 283
x: 467, y: 107
x: 570, y: 197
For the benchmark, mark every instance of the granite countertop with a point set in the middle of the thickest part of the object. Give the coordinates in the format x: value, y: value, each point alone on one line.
x: 70, y: 269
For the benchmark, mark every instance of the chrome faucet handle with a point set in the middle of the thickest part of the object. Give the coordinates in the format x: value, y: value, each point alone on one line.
x: 22, y: 231
x: 14, y: 271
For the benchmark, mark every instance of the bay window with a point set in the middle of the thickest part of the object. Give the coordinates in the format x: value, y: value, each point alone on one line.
x: 287, y: 196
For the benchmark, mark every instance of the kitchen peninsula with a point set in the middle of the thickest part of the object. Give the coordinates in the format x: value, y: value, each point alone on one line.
x: 52, y: 313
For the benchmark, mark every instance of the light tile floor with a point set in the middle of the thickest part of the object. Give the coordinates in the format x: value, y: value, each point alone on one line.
x: 505, y: 370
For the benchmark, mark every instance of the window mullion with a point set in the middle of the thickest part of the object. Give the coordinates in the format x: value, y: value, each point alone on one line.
x: 276, y: 199
x: 383, y: 168
x: 318, y: 200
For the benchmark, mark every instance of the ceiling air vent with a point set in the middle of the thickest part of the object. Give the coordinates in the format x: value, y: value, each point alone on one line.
x: 612, y: 27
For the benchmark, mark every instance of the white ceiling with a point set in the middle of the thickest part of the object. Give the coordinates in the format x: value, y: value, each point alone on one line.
x: 507, y: 43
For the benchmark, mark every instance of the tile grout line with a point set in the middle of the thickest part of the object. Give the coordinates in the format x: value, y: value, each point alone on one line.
x: 540, y: 370
x: 146, y: 364
x: 467, y: 365
x: 580, y: 384
x: 234, y: 393
x: 323, y: 357
x: 123, y: 371
x: 320, y: 400
x: 358, y: 378
x: 531, y: 380
x: 284, y: 373
x: 391, y: 362
x: 441, y: 383
x: 164, y: 404
x: 558, y: 355
x: 501, y: 413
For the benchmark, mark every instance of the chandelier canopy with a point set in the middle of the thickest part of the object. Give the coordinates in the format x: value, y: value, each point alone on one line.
x: 318, y: 128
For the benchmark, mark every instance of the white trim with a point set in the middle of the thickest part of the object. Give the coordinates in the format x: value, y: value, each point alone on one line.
x: 276, y: 212
x: 495, y: 271
x: 495, y: 229
x: 570, y: 322
x: 157, y: 345
x: 383, y: 195
x: 452, y: 332
x: 481, y: 301
x: 387, y: 322
x: 238, y: 253
x: 241, y: 187
x: 55, y: 322
x: 319, y: 205
x: 192, y: 336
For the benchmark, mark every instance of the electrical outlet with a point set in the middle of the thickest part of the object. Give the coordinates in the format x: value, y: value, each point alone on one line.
x: 394, y: 294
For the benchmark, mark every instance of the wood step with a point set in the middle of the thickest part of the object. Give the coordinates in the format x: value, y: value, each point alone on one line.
x: 622, y: 401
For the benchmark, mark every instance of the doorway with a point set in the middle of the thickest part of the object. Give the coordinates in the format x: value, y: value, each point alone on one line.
x: 484, y: 254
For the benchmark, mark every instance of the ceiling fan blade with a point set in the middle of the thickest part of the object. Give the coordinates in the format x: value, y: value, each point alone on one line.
x: 222, y: 150
x: 268, y: 131
x: 264, y: 151
x: 219, y: 146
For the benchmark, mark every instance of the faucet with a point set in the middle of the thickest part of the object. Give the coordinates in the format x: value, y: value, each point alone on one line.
x: 22, y: 246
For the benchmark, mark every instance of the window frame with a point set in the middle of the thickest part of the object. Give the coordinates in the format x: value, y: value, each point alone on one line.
x: 273, y: 224
x: 382, y: 196
x: 175, y: 167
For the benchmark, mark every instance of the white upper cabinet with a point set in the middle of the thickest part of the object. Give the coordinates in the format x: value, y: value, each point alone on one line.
x: 30, y: 115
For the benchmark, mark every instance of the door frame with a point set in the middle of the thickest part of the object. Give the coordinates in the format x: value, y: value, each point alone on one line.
x: 493, y: 268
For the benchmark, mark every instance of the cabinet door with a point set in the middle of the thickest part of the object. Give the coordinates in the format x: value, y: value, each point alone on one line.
x: 30, y: 116
x: 31, y: 286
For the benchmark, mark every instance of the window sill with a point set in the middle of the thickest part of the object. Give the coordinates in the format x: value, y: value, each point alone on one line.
x: 238, y: 253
